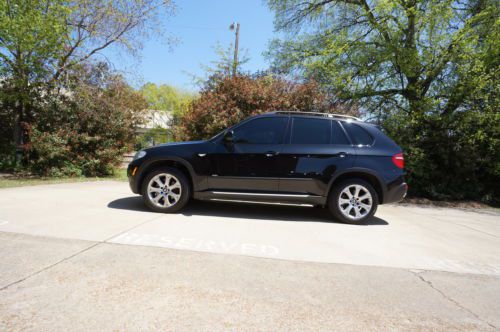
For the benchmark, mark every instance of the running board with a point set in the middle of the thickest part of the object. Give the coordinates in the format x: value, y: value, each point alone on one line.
x: 258, y: 194
x: 263, y: 197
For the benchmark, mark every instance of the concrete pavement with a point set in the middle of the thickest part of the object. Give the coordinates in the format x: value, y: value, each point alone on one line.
x: 110, y: 287
x: 89, y: 256
x: 401, y: 236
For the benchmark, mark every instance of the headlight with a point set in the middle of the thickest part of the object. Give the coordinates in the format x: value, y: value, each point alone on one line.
x: 139, y: 154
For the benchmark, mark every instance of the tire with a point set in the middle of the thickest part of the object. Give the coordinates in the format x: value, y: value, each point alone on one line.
x: 174, y: 193
x: 356, y: 209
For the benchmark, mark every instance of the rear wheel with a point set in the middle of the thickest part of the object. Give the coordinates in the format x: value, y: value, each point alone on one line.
x: 353, y: 201
x: 166, y: 189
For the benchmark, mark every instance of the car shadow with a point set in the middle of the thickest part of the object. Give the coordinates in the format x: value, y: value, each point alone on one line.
x: 244, y: 211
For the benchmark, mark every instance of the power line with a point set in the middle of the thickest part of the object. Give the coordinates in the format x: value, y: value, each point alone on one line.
x: 195, y: 27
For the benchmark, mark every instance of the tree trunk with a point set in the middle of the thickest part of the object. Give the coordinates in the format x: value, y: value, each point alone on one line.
x: 18, y: 132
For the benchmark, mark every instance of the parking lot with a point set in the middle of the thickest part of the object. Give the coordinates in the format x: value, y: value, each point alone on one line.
x: 85, y: 250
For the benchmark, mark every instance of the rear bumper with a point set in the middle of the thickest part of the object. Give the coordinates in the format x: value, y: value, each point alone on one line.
x: 396, y: 193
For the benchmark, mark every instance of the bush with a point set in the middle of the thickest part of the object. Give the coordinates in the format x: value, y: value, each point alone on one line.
x: 85, y: 131
x: 225, y: 101
x: 455, y: 157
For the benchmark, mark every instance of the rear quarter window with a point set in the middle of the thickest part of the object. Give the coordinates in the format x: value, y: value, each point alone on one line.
x: 338, y: 135
x: 358, y: 135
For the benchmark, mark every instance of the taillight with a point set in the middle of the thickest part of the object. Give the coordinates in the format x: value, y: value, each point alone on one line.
x: 399, y: 160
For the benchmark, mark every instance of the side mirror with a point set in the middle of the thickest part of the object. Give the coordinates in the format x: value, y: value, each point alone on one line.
x: 228, y: 136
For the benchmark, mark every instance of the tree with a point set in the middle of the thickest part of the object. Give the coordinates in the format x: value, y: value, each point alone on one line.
x: 224, y: 65
x: 40, y: 40
x: 383, y: 53
x: 226, y: 101
x: 422, y: 68
x: 166, y: 98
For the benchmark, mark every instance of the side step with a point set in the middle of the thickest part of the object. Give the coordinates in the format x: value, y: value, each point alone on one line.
x: 260, y: 197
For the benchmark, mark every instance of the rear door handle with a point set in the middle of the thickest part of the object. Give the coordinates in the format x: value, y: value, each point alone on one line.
x: 271, y: 153
x: 342, y: 154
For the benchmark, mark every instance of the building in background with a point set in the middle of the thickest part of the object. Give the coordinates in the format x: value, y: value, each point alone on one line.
x: 156, y: 128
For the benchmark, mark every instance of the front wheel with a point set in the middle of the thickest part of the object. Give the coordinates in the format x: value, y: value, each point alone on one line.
x: 165, y: 189
x: 353, y: 201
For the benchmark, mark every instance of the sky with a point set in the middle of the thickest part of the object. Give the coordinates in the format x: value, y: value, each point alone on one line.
x: 198, y: 25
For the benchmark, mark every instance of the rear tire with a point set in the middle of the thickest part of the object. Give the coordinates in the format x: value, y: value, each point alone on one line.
x: 165, y: 189
x: 353, y: 201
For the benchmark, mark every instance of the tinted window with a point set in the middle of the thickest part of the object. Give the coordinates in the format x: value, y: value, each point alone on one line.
x: 338, y: 134
x: 260, y: 131
x: 310, y: 131
x: 358, y: 135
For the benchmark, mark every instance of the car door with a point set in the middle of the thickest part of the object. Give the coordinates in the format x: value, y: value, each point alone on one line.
x: 249, y: 162
x: 315, y: 149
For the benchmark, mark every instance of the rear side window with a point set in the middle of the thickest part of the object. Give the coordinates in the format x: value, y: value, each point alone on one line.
x: 338, y: 134
x: 358, y: 135
x: 310, y: 131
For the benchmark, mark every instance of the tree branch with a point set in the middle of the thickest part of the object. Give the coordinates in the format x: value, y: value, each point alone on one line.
x: 371, y: 93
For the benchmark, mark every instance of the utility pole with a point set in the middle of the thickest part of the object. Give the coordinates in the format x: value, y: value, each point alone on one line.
x: 236, y: 42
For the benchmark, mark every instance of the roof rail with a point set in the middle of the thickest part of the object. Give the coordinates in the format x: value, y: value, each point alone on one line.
x: 327, y: 115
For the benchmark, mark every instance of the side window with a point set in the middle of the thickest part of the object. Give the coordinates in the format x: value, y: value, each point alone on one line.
x: 310, y: 131
x: 358, y: 135
x: 338, y: 135
x: 260, y: 131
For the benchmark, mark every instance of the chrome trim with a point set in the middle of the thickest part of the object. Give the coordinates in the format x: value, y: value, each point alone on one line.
x: 328, y: 115
x: 258, y: 194
x: 257, y: 202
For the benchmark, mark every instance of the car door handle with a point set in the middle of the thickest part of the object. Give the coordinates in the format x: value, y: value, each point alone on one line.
x: 202, y: 154
x: 342, y: 154
x: 271, y: 153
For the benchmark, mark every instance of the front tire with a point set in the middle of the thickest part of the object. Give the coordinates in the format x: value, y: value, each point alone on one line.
x: 353, y: 201
x: 165, y: 189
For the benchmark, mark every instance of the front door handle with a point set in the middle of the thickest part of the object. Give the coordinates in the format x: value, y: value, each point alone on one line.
x: 342, y: 154
x: 271, y: 153
x: 202, y: 154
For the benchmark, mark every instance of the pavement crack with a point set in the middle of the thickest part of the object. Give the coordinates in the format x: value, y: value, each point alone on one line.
x: 74, y: 255
x: 418, y: 274
x: 50, y: 266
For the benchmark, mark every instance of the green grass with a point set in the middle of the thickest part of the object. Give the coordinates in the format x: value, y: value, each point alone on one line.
x: 9, y: 182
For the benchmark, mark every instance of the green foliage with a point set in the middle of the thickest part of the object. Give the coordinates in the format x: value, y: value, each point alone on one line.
x: 224, y: 64
x: 87, y: 131
x: 42, y: 41
x: 30, y: 32
x: 426, y: 70
x: 166, y: 98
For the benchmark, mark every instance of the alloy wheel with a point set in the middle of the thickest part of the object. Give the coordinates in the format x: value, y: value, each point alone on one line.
x: 355, y: 202
x: 164, y: 190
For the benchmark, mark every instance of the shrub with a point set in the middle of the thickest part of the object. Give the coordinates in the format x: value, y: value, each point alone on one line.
x: 224, y: 101
x: 87, y: 130
x: 455, y: 157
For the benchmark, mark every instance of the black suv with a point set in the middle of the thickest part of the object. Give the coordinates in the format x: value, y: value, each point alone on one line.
x: 289, y: 157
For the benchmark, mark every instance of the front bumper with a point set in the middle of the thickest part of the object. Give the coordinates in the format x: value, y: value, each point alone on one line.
x: 396, y: 193
x: 133, y: 174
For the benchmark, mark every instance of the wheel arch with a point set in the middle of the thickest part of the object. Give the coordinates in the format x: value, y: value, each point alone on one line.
x: 363, y: 174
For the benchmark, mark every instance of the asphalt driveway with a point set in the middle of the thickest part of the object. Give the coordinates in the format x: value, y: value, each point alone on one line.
x: 76, y: 252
